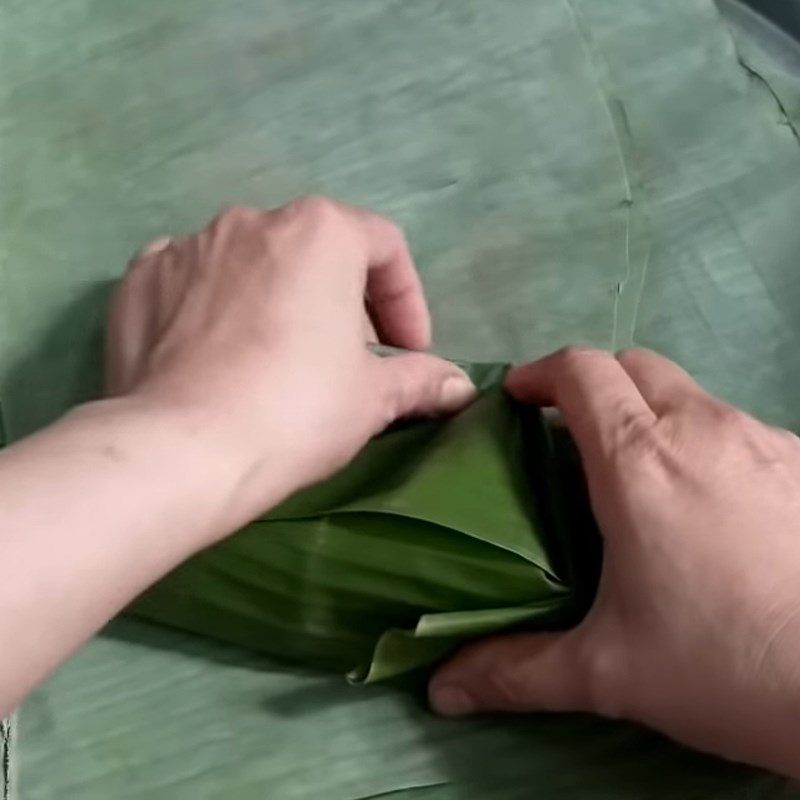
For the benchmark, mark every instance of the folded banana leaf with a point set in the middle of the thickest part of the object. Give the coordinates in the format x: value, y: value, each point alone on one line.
x: 434, y: 534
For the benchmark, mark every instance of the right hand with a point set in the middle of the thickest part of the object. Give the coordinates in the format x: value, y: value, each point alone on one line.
x: 696, y: 627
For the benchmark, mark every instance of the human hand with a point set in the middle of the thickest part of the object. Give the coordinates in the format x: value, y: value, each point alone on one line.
x: 255, y: 330
x: 695, y: 630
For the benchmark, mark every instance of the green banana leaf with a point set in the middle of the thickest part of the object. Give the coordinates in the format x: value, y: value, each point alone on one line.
x: 606, y: 172
x: 431, y: 536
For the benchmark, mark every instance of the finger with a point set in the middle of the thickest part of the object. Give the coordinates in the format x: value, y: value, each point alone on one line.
x: 129, y: 330
x: 597, y: 398
x: 420, y: 385
x: 513, y: 672
x: 394, y: 289
x: 662, y: 383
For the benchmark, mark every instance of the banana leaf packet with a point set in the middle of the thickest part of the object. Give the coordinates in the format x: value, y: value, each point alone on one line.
x: 438, y: 532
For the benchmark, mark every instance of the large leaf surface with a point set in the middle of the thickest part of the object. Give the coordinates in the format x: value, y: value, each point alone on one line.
x: 566, y: 171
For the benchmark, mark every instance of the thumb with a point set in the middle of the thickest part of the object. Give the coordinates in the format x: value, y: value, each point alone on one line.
x: 514, y: 672
x: 421, y: 385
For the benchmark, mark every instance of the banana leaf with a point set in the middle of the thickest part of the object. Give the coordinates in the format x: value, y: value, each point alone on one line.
x: 566, y: 171
x: 431, y: 536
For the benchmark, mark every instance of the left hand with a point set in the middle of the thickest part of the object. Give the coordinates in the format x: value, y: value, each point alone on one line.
x: 255, y: 329
x: 238, y: 372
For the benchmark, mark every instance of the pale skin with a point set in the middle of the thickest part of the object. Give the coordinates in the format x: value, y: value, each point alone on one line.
x: 238, y: 373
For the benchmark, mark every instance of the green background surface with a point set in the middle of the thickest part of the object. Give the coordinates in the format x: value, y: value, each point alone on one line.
x: 566, y: 171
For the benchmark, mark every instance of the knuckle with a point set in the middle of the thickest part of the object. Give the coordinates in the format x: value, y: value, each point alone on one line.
x: 508, y: 686
x: 236, y: 213
x: 314, y: 207
x: 769, y: 447
x: 730, y: 416
x: 743, y: 436
x: 501, y: 675
x: 634, y: 431
x: 644, y: 446
x: 632, y: 355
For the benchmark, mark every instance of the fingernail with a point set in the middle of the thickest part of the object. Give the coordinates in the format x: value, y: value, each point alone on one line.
x: 456, y: 392
x: 156, y: 246
x: 451, y: 701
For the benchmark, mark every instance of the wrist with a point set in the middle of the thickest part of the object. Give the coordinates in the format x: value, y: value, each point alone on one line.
x: 179, y: 453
